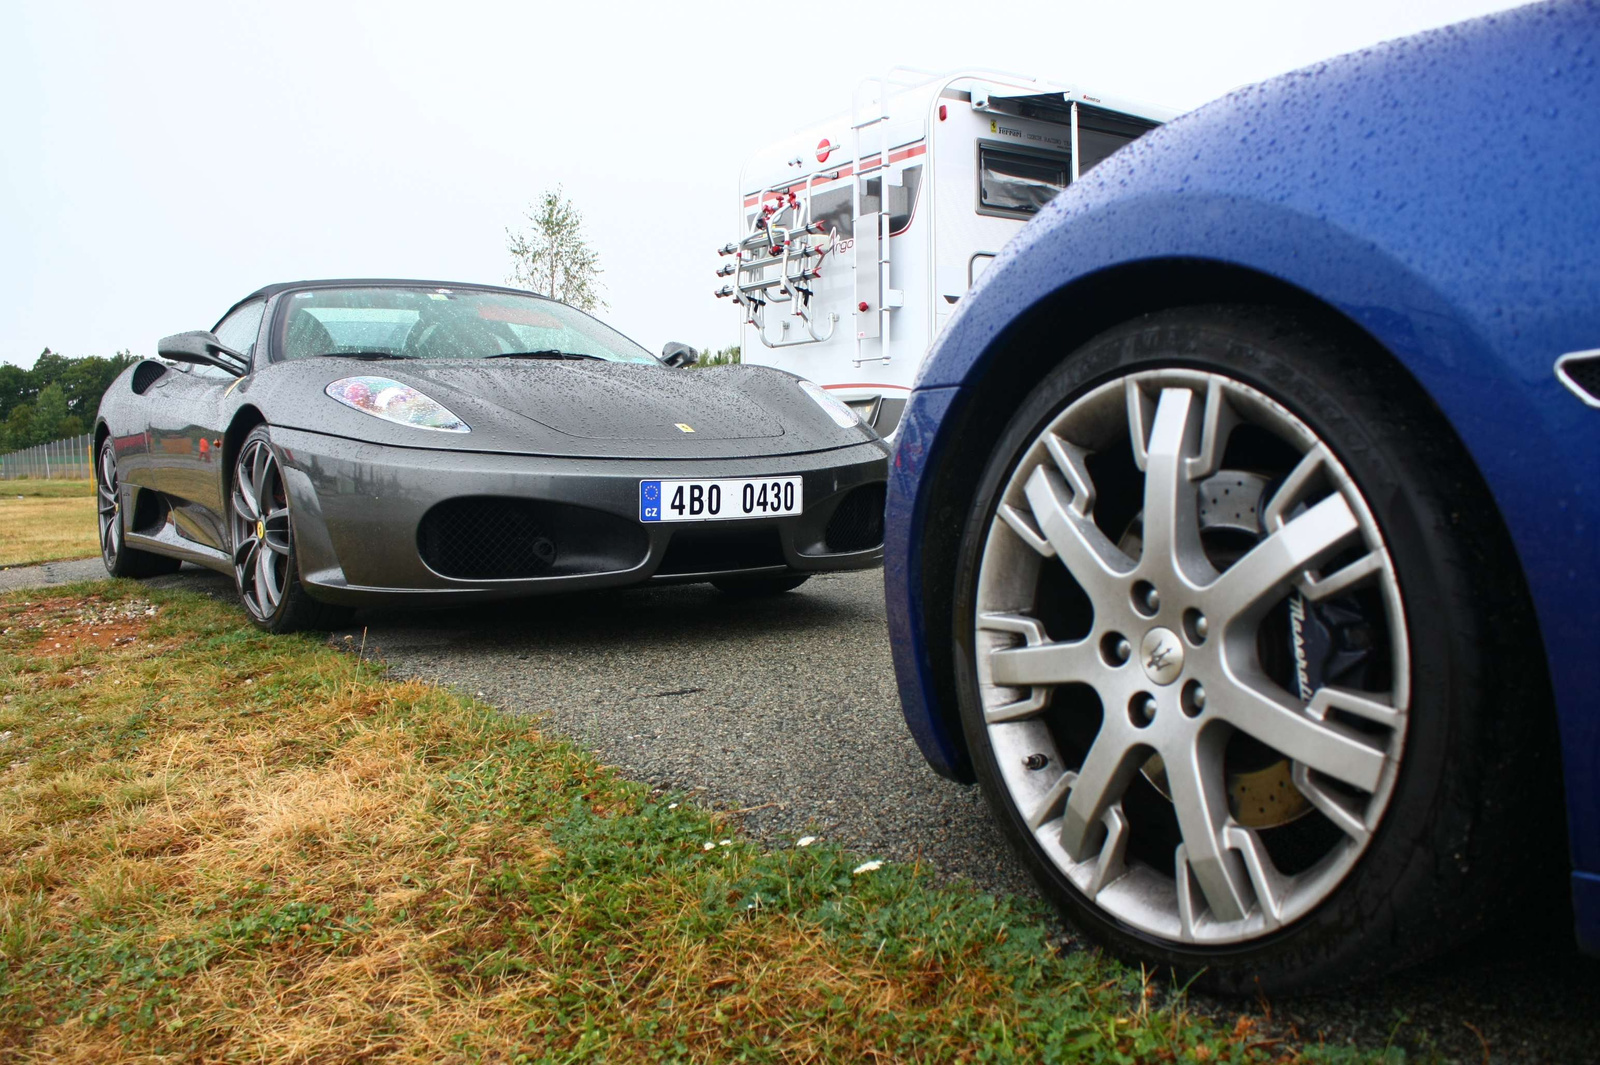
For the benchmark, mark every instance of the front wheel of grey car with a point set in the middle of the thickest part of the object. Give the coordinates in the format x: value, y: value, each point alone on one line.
x: 1243, y: 660
x: 265, y: 568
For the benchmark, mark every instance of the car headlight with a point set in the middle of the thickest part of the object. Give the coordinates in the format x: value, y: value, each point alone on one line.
x: 842, y: 415
x: 392, y: 401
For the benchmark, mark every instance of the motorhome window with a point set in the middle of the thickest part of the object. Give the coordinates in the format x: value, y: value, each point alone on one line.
x: 1102, y: 132
x: 834, y: 207
x: 831, y: 207
x: 1019, y: 183
x: 902, y: 198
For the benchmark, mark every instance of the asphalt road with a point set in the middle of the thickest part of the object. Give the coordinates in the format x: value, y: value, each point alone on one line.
x: 785, y: 709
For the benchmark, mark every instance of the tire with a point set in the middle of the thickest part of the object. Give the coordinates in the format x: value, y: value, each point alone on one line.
x: 120, y: 559
x: 266, y: 570
x: 1340, y: 789
x: 759, y: 587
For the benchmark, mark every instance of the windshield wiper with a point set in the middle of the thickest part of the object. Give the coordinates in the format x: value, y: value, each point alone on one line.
x: 545, y: 353
x: 369, y: 355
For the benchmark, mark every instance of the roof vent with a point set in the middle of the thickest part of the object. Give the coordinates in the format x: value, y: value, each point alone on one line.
x: 1580, y: 372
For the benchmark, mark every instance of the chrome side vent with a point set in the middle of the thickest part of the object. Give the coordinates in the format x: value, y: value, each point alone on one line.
x: 1580, y: 372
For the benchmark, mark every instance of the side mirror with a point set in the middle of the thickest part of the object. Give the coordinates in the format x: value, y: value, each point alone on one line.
x: 202, y: 346
x: 679, y: 355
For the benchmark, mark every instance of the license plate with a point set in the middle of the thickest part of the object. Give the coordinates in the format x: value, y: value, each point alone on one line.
x: 719, y: 500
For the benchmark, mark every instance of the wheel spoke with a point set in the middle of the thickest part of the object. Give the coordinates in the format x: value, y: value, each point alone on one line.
x: 1050, y: 663
x: 265, y: 598
x: 1368, y: 565
x: 1112, y: 861
x: 1200, y: 799
x: 1102, y: 779
x: 244, y: 506
x: 1093, y: 560
x: 1070, y: 460
x: 1171, y: 526
x: 1271, y: 567
x: 1266, y: 883
x: 1361, y: 704
x: 246, y: 489
x: 1281, y: 722
x: 1217, y: 423
x: 1336, y: 808
x: 277, y: 523
x: 258, y: 474
x: 1050, y: 806
x: 244, y: 558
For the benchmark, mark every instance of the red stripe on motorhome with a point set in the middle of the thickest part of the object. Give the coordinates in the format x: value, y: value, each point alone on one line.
x: 844, y: 172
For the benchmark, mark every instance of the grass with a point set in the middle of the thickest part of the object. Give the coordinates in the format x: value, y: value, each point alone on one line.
x: 42, y: 521
x: 216, y: 844
x: 45, y: 489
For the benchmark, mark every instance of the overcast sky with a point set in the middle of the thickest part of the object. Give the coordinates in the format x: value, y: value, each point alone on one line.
x: 159, y: 161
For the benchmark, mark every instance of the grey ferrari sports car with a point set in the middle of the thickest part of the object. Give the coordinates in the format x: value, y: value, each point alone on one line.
x: 338, y: 443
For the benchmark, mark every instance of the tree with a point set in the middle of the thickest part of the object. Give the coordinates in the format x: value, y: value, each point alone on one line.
x: 725, y: 357
x: 58, y: 397
x: 50, y: 414
x: 17, y: 433
x: 553, y: 257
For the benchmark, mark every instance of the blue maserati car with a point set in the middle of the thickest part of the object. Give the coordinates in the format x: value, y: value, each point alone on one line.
x: 1244, y: 520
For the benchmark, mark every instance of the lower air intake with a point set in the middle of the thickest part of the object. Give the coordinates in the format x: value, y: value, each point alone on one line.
x: 857, y: 522
x: 487, y: 538
x: 721, y: 551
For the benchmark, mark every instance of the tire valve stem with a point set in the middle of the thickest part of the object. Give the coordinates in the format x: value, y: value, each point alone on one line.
x: 1036, y: 762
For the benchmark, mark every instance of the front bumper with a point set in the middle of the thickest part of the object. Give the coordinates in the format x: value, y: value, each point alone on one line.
x: 357, y: 509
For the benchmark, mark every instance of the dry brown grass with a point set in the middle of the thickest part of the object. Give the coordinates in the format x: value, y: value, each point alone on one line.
x: 216, y: 845
x: 44, y: 528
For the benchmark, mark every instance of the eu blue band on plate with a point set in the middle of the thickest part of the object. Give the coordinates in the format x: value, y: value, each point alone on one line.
x: 649, y: 500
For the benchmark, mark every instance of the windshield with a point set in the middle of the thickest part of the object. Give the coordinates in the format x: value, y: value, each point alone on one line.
x: 442, y: 323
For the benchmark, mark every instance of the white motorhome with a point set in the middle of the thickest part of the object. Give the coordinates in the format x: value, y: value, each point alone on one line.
x: 847, y: 286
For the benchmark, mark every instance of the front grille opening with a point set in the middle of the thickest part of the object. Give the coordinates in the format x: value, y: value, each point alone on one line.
x: 496, y: 538
x: 721, y: 550
x: 857, y: 522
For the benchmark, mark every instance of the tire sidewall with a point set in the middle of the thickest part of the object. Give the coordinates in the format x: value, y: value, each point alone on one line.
x: 1391, y: 880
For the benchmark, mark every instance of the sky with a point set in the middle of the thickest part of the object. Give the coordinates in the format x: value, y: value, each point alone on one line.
x: 158, y: 161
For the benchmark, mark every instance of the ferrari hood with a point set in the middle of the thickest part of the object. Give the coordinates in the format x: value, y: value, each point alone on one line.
x: 567, y: 408
x: 606, y: 400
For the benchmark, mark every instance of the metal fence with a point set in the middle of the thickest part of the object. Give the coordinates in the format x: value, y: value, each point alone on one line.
x: 68, y: 459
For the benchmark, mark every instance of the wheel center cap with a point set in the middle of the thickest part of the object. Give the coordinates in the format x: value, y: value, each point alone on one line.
x: 261, y: 530
x: 1161, y: 654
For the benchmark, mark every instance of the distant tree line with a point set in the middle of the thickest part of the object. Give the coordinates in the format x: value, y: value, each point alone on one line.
x: 57, y: 398
x: 728, y: 356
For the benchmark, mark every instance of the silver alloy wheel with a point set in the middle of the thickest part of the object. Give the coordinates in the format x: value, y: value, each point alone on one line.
x: 261, y: 531
x: 1192, y: 652
x: 110, y: 506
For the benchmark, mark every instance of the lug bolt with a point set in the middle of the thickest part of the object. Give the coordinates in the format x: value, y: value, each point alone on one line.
x: 1193, y: 699
x: 1035, y: 762
x: 1142, y: 709
x: 1115, y: 649
x: 1145, y: 599
x: 1195, y: 626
